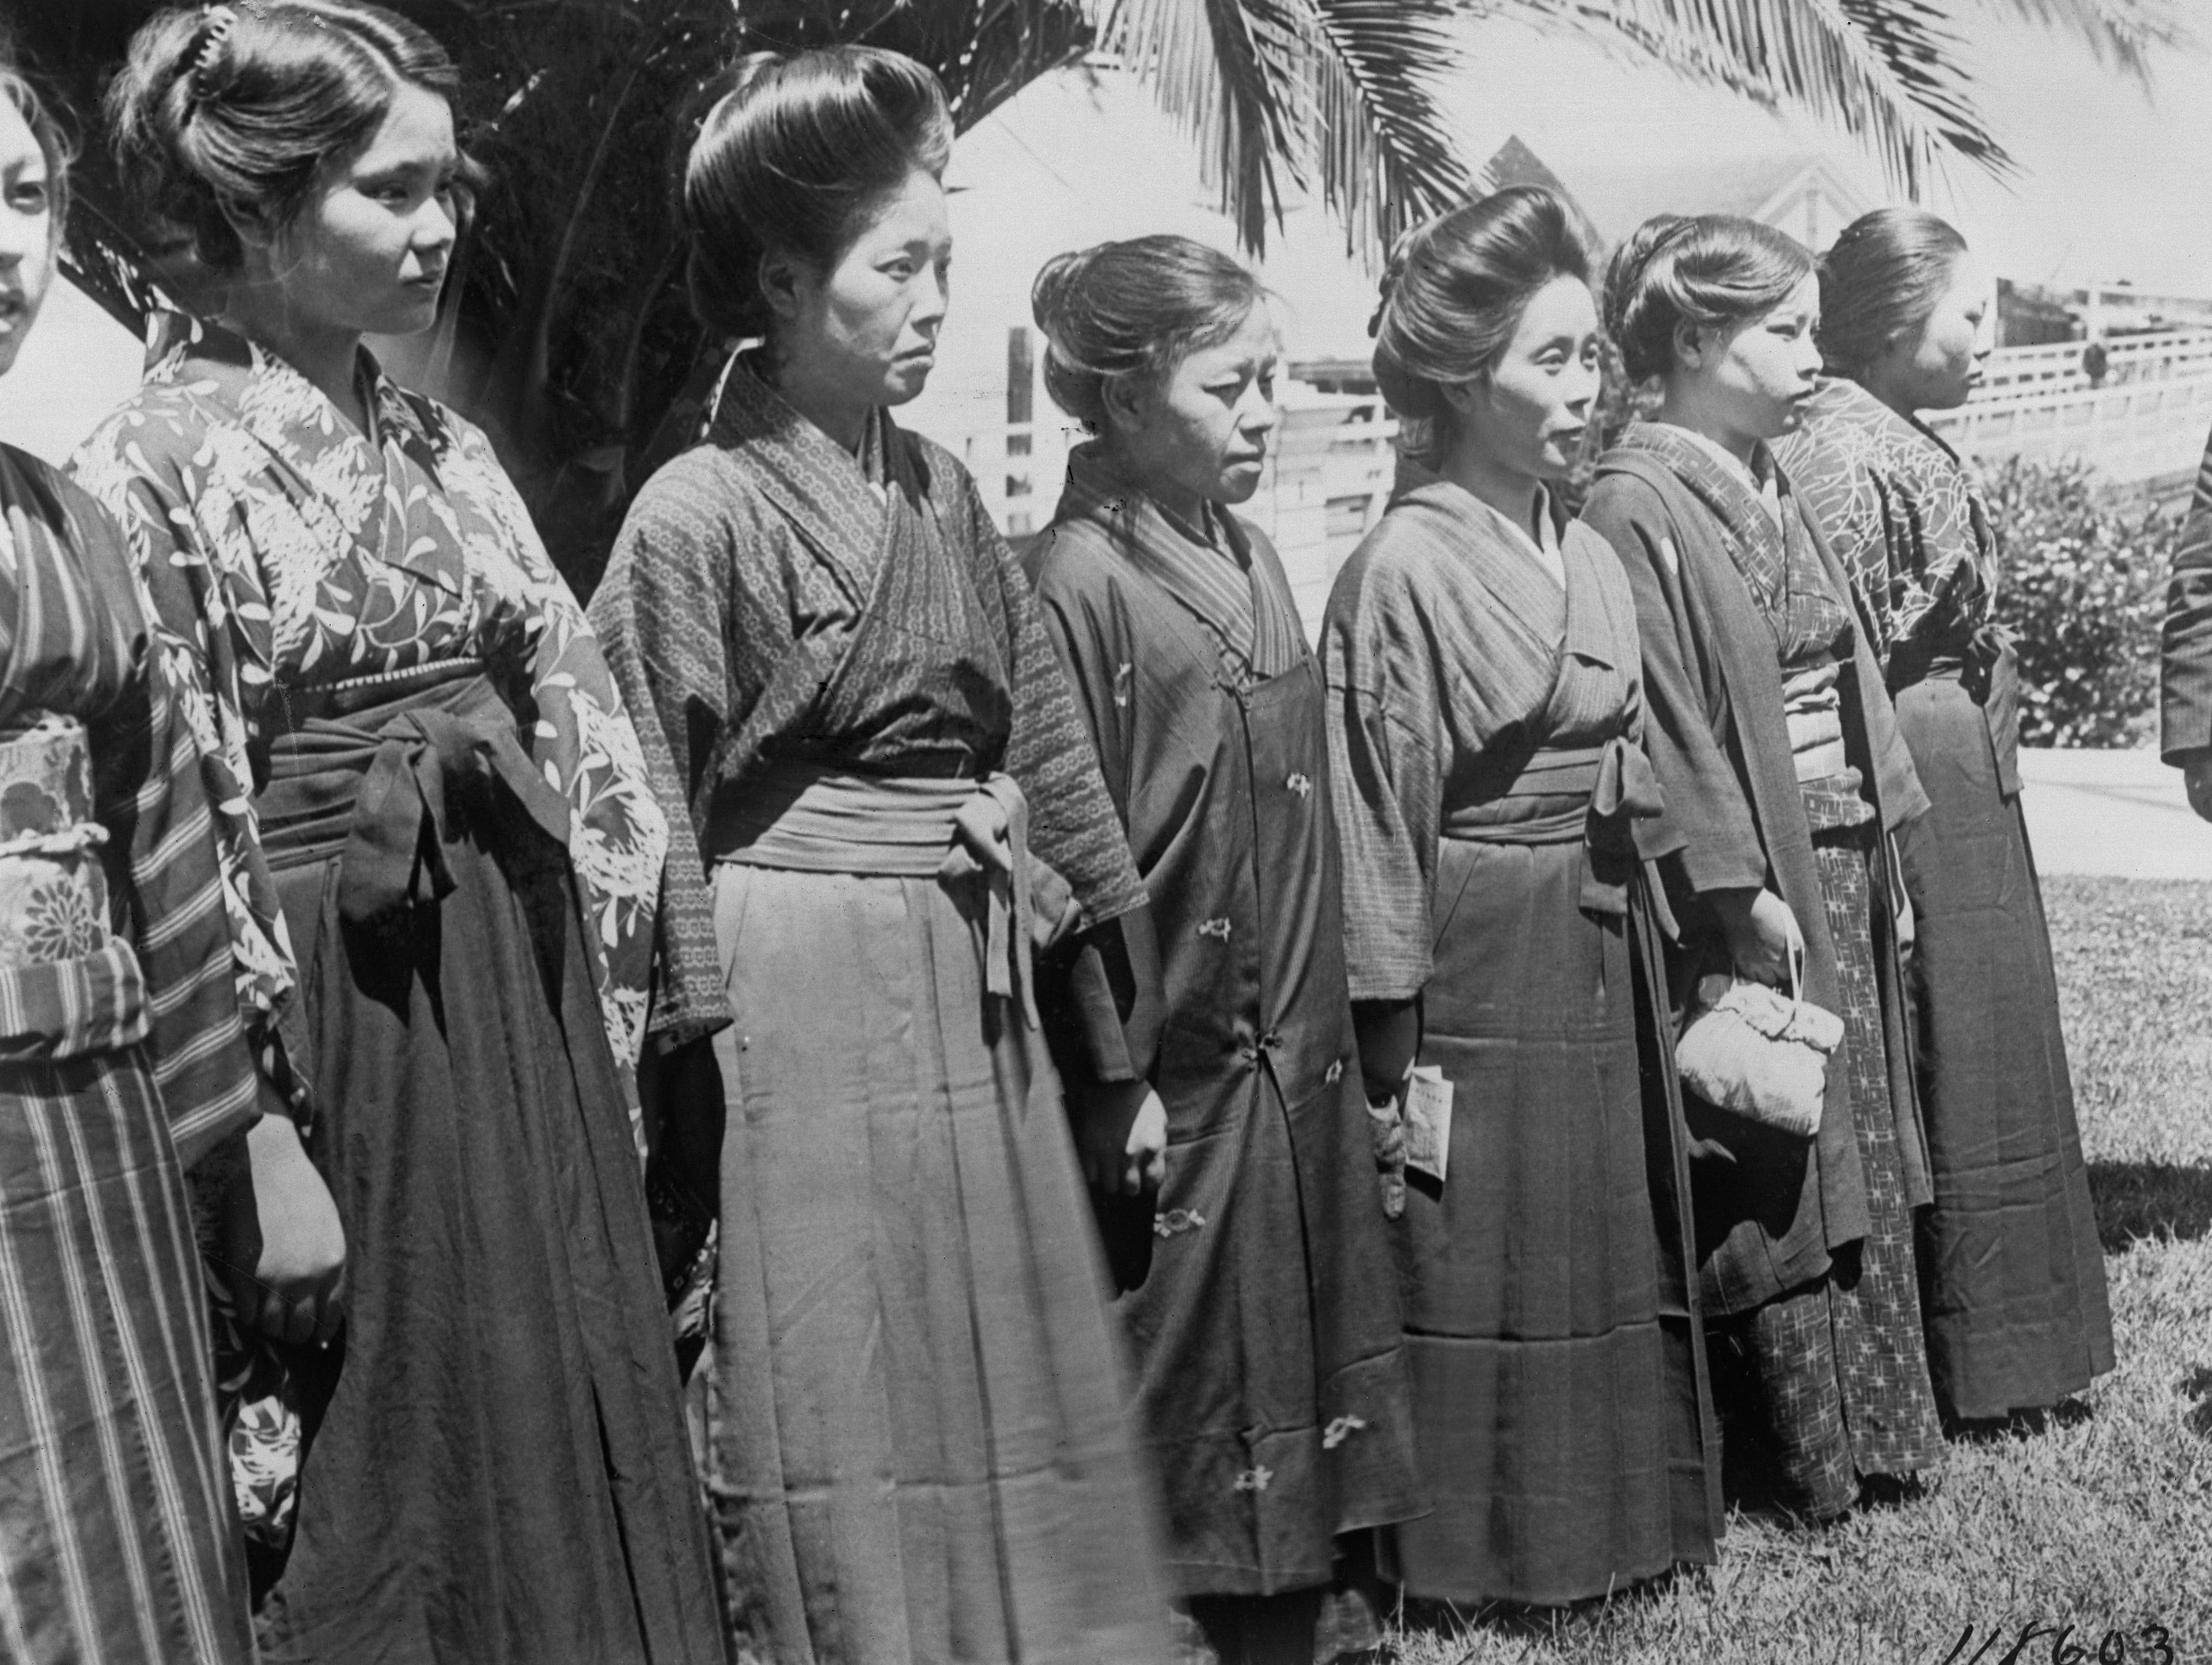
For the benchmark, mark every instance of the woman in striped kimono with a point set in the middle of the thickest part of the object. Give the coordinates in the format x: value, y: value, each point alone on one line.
x: 1263, y: 1309
x: 404, y: 719
x: 918, y: 1447
x: 2012, y: 1274
x: 1481, y: 657
x: 122, y: 1064
x: 1783, y: 771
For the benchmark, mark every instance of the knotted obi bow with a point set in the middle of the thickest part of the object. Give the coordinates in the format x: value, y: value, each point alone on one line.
x: 801, y: 817
x: 1593, y: 794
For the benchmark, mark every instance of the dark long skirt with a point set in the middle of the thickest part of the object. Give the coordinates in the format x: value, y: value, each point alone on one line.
x: 2012, y: 1274
x: 1838, y: 1369
x: 116, y: 1540
x: 1556, y: 1396
x: 496, y: 1467
x: 919, y: 1448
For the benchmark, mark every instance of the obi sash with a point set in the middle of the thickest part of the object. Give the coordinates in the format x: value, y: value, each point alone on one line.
x: 801, y: 817
x: 1563, y: 794
x: 68, y: 987
x: 369, y: 770
x: 1983, y: 662
x: 1814, y: 710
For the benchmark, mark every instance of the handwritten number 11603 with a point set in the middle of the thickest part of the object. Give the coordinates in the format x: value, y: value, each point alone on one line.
x: 2154, y: 1646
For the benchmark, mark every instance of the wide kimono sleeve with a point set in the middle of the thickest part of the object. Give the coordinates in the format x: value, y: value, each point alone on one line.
x: 1110, y: 1003
x: 580, y: 737
x: 1109, y: 984
x: 181, y: 490
x: 1386, y: 740
x: 669, y: 614
x: 2185, y: 706
x: 1706, y: 839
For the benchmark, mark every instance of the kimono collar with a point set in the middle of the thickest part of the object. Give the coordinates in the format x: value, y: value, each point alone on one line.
x: 1840, y: 400
x: 304, y: 433
x: 1220, y: 584
x: 822, y: 487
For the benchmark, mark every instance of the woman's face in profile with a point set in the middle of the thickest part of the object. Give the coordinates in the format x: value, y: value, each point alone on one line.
x: 369, y: 254
x: 1759, y: 375
x: 1527, y: 413
x: 868, y: 326
x: 26, y: 232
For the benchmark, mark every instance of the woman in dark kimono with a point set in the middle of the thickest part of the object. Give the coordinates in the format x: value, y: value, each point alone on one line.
x: 1481, y: 658
x: 1783, y: 770
x: 2012, y: 1276
x: 1264, y: 1315
x: 122, y: 1065
x: 425, y: 785
x: 918, y: 1445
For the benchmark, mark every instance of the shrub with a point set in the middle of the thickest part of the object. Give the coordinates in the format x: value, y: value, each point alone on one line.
x: 2085, y: 567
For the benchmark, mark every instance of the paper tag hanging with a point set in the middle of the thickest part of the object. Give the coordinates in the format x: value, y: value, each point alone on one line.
x: 1428, y: 1121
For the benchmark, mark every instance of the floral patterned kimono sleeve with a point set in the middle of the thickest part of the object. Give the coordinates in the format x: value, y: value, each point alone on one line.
x: 208, y: 607
x: 581, y: 740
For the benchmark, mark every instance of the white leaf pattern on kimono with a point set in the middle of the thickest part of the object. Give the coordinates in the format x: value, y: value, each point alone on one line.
x: 297, y: 552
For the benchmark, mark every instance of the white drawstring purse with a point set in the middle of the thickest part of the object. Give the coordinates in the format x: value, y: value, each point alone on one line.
x: 1757, y: 1053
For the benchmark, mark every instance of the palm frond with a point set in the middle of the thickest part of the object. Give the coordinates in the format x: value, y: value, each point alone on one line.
x: 1889, y: 73
x: 1385, y: 163
x: 1335, y: 94
x: 2123, y: 33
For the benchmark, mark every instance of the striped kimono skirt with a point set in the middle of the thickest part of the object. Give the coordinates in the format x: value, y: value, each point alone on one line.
x: 116, y: 1536
x: 921, y: 1451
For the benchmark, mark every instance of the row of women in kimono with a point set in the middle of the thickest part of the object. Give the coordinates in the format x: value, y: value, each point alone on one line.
x: 971, y: 1001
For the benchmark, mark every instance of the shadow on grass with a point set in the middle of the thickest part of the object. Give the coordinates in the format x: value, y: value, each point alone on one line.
x: 2150, y: 1199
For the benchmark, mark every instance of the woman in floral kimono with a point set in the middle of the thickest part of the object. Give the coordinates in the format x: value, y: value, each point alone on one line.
x: 918, y: 1449
x: 122, y: 1064
x: 1264, y: 1325
x: 1783, y: 770
x: 1481, y: 656
x: 2012, y: 1275
x: 427, y: 788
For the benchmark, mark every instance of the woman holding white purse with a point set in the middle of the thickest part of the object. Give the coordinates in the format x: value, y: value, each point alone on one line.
x: 1783, y: 770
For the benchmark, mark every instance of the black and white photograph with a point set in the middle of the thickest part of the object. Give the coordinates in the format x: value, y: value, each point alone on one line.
x: 1105, y: 832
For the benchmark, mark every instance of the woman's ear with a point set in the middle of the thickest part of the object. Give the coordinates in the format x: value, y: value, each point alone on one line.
x: 248, y: 224
x: 1462, y: 396
x: 1689, y: 345
x: 781, y: 279
x: 1121, y: 405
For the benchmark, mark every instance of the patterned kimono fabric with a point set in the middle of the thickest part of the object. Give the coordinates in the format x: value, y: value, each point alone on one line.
x: 1486, y: 776
x: 121, y: 1059
x: 405, y: 719
x: 918, y: 1449
x: 1265, y: 1326
x: 1751, y: 651
x: 2012, y: 1276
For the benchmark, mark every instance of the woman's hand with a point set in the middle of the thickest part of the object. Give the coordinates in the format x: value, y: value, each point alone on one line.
x: 1123, y: 1137
x: 282, y: 1243
x: 1762, y: 933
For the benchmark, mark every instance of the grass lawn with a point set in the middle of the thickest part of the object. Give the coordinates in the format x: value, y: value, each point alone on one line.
x: 2102, y: 1520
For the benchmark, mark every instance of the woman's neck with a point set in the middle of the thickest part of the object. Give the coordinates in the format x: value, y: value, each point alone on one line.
x: 1512, y: 493
x: 327, y: 357
x: 1687, y: 406
x: 837, y: 414
x: 1178, y: 502
x: 1889, y: 391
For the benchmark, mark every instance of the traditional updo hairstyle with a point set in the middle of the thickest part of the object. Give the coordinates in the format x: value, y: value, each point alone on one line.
x: 1881, y: 281
x: 1710, y: 272
x: 225, y: 111
x: 1452, y: 295
x: 1132, y: 312
x: 795, y: 155
x: 54, y: 143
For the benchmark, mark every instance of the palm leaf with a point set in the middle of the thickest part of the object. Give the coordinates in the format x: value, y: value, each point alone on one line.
x: 1337, y: 95
x: 1888, y: 72
x: 1384, y: 162
x: 2123, y: 33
